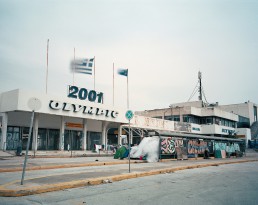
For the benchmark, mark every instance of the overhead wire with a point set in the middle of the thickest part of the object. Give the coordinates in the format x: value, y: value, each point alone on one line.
x: 194, y: 91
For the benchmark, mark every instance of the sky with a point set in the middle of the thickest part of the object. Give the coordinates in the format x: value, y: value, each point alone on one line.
x: 162, y: 43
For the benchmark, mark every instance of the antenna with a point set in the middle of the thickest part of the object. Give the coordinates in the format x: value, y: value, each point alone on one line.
x: 199, y: 88
x: 200, y: 85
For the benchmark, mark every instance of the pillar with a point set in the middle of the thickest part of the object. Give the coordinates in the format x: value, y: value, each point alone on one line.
x: 35, y: 132
x: 119, y: 140
x: 61, y: 137
x: 4, y: 131
x: 104, y: 134
x: 85, y: 129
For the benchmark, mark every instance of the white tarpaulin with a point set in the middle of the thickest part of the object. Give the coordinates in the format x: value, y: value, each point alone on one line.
x: 148, y: 147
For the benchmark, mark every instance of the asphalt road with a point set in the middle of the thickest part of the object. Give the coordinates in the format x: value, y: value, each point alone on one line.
x: 225, y: 184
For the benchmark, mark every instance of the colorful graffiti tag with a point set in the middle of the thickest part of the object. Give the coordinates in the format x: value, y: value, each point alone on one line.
x: 167, y: 146
x: 196, y: 147
x: 170, y: 145
x: 220, y: 146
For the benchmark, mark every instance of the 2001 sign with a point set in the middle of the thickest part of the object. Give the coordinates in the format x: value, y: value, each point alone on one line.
x: 84, y: 94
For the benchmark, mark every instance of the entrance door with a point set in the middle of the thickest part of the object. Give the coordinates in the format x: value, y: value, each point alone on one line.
x: 94, y: 138
x: 48, y: 139
x: 53, y: 139
x: 42, y: 139
x: 72, y: 140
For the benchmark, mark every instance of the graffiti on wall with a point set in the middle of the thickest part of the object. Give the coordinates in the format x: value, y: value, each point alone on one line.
x: 167, y: 145
x: 170, y: 145
x: 196, y: 147
x: 181, y: 149
x: 179, y: 143
x: 220, y: 146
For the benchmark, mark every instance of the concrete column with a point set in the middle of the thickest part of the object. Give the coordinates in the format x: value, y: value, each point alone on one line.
x: 104, y: 134
x: 35, y: 132
x: 4, y: 131
x: 85, y: 129
x: 181, y: 118
x: 61, y: 137
x: 119, y: 139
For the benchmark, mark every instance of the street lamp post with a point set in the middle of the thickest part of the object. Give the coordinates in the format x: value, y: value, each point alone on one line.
x: 164, y: 117
x: 171, y: 107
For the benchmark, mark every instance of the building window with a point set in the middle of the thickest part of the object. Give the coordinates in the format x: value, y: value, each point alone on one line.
x: 223, y: 122
x: 209, y: 120
x: 243, y: 122
x: 173, y: 118
x: 176, y: 118
x: 13, y: 138
x: 186, y: 118
x: 255, y: 113
x: 217, y: 121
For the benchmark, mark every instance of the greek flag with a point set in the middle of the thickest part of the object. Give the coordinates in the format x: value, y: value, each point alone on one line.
x: 83, y: 66
x: 122, y: 71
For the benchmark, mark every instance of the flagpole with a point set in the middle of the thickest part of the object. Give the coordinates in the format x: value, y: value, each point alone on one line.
x: 113, y: 86
x: 47, y: 65
x: 94, y: 71
x: 73, y: 63
x: 127, y: 90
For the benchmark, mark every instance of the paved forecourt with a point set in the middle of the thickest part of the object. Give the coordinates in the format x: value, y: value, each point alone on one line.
x: 102, y: 170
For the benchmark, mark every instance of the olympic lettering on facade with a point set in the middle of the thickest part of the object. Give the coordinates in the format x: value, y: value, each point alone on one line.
x: 56, y: 105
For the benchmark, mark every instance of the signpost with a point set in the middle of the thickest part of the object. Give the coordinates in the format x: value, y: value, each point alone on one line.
x: 129, y: 116
x: 34, y: 104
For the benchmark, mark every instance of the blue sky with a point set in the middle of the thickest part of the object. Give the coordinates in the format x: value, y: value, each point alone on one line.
x: 163, y: 43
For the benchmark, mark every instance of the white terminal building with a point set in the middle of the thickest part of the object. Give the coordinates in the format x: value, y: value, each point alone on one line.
x: 59, y: 123
x: 227, y: 121
x: 65, y: 123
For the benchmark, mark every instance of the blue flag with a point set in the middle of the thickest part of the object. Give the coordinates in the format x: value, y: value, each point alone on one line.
x: 83, y: 66
x: 122, y: 71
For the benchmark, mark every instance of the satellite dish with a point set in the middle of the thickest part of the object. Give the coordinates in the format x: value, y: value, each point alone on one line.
x: 34, y: 104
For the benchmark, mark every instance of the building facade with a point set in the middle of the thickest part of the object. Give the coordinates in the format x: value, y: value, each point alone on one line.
x: 78, y: 121
x: 59, y: 123
x: 248, y: 120
x: 192, y: 117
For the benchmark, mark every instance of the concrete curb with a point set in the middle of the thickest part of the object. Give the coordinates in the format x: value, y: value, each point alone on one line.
x: 68, y: 166
x: 100, y: 180
x: 16, y: 169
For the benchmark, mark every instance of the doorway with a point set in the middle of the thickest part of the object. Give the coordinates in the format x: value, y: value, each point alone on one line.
x: 72, y: 140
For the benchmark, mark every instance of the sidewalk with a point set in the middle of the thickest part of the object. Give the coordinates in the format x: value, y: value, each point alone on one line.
x: 57, y: 153
x: 92, y: 173
x: 6, y: 154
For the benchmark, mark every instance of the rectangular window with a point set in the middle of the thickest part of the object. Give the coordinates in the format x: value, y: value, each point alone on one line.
x: 186, y: 118
x: 208, y: 120
x: 12, y: 138
x: 196, y: 120
x: 176, y: 118
x: 203, y: 121
x: 217, y: 121
x: 255, y: 113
